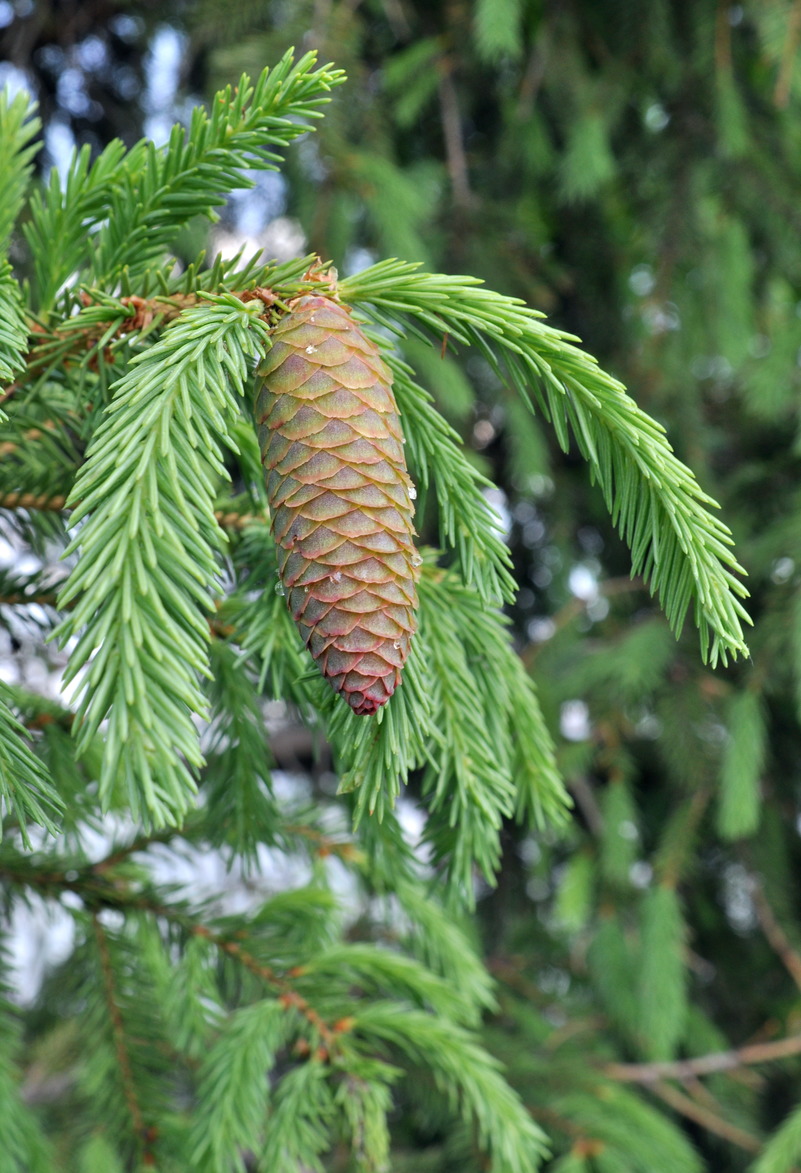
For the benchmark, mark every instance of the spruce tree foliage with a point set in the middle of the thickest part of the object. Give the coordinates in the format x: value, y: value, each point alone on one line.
x: 137, y: 390
x: 638, y: 179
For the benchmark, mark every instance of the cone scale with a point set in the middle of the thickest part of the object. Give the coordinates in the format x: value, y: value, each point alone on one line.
x: 340, y: 498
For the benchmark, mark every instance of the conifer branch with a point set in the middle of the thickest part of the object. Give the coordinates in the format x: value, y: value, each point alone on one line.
x: 676, y: 543
x: 147, y: 489
x: 139, y: 200
x: 13, y: 331
x: 26, y: 789
x: 98, y: 887
x: 160, y: 191
x: 466, y: 520
x: 505, y: 1130
x: 18, y: 129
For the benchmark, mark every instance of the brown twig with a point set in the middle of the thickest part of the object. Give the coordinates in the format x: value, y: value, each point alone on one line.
x: 47, y: 599
x: 706, y: 1117
x: 142, y: 1133
x: 581, y: 789
x: 100, y: 890
x: 140, y: 843
x: 455, y: 157
x: 42, y: 503
x: 711, y: 1064
x: 775, y: 934
x: 781, y: 94
x: 722, y: 36
x: 38, y: 502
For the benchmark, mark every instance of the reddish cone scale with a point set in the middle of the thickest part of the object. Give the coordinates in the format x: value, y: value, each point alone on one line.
x: 341, y: 499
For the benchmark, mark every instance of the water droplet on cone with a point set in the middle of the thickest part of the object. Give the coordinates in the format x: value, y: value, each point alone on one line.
x: 279, y: 588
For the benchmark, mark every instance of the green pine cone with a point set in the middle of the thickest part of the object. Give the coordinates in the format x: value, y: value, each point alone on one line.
x: 341, y: 499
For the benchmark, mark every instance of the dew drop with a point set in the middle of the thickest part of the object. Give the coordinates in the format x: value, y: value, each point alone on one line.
x: 279, y: 588
x: 305, y: 590
x: 336, y: 576
x: 311, y: 349
x: 311, y: 319
x: 417, y: 560
x: 396, y: 644
x: 413, y: 493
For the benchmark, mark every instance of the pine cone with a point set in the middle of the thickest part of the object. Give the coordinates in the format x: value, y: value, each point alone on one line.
x: 341, y: 499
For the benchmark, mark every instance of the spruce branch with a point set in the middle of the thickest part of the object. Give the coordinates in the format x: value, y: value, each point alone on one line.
x: 18, y: 128
x: 466, y: 520
x: 234, y: 1084
x: 496, y: 757
x: 62, y: 218
x: 465, y: 1074
x: 148, y: 556
x: 678, y: 546
x: 123, y: 211
x: 24, y: 1145
x: 297, y: 1128
x: 13, y: 329
x: 160, y: 190
x: 26, y: 789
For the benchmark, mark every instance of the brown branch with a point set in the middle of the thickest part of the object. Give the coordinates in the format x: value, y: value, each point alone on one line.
x: 711, y: 1064
x: 708, y: 1119
x: 781, y: 94
x: 142, y: 1133
x: 48, y: 599
x: 722, y: 36
x: 75, y: 337
x: 101, y: 890
x: 455, y: 156
x: 42, y: 503
x: 584, y: 794
x: 775, y: 934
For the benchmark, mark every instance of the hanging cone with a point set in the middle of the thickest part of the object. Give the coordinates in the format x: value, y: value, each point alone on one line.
x: 341, y: 499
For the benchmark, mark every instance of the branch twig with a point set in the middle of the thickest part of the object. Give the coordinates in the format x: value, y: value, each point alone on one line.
x: 781, y: 94
x: 120, y: 1045
x: 775, y: 934
x: 716, y: 1061
x: 42, y: 503
x: 101, y: 891
x: 705, y: 1117
x: 455, y: 156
